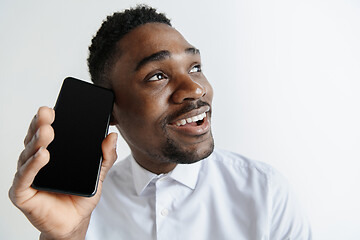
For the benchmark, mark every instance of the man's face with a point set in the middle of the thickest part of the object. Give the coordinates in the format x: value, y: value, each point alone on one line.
x: 160, y: 94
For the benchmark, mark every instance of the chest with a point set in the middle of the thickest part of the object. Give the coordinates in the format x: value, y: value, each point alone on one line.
x: 167, y: 209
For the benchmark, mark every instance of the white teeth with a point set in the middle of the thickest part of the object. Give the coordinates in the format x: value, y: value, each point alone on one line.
x: 190, y: 120
x: 194, y: 119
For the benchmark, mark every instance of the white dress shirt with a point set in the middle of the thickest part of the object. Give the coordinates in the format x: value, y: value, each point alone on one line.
x: 224, y: 196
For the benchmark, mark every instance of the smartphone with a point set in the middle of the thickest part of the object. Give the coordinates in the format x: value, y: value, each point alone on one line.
x: 82, y: 116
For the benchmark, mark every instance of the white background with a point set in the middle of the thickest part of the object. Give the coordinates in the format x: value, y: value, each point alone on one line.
x: 286, y: 79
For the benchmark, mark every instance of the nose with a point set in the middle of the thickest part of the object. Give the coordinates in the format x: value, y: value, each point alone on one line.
x: 187, y: 89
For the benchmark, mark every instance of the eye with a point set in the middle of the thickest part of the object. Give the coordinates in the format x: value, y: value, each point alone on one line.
x: 196, y: 68
x: 157, y: 77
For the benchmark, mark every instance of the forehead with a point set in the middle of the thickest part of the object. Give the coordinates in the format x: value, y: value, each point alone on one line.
x: 150, y: 38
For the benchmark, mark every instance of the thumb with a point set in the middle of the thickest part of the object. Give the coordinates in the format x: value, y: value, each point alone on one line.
x: 109, y: 154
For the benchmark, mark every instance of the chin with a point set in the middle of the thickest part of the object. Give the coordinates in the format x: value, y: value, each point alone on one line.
x: 175, y: 153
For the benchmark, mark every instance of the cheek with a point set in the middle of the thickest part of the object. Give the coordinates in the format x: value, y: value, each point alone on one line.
x: 139, y: 112
x: 140, y: 125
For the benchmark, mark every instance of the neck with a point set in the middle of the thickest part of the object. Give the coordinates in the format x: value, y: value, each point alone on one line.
x: 154, y: 165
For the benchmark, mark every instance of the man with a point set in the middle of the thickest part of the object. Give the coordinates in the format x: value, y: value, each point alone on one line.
x: 174, y: 185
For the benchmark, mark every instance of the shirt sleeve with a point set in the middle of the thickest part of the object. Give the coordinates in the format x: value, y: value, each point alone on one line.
x: 287, y: 219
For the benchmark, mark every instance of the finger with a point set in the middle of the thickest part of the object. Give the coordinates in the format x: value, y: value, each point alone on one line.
x: 43, y: 137
x: 45, y: 115
x: 26, y: 174
x: 109, y: 154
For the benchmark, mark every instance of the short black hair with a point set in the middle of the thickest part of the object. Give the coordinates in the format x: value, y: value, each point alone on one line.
x: 102, y: 50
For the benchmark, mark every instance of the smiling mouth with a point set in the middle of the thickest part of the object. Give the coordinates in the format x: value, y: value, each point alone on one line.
x: 194, y: 121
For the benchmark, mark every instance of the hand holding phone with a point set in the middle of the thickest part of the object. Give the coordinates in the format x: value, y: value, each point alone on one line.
x: 82, y: 115
x: 55, y: 215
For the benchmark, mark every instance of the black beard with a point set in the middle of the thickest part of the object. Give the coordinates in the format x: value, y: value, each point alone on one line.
x: 187, y: 108
x: 173, y: 153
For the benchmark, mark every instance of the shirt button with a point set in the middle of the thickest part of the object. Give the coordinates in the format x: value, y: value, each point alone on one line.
x: 164, y: 212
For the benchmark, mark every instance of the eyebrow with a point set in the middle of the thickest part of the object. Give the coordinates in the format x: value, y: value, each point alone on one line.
x: 159, y: 56
x: 192, y: 50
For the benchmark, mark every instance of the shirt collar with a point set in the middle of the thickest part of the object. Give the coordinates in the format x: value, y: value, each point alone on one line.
x: 186, y: 174
x: 141, y: 176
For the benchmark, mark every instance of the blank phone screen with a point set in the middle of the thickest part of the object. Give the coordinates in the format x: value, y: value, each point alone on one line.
x: 82, y: 115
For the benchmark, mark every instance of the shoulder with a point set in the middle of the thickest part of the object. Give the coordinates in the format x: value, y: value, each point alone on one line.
x: 237, y: 168
x: 236, y: 162
x: 285, y: 212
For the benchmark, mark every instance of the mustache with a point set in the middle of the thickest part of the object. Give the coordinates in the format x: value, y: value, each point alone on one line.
x: 186, y: 108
